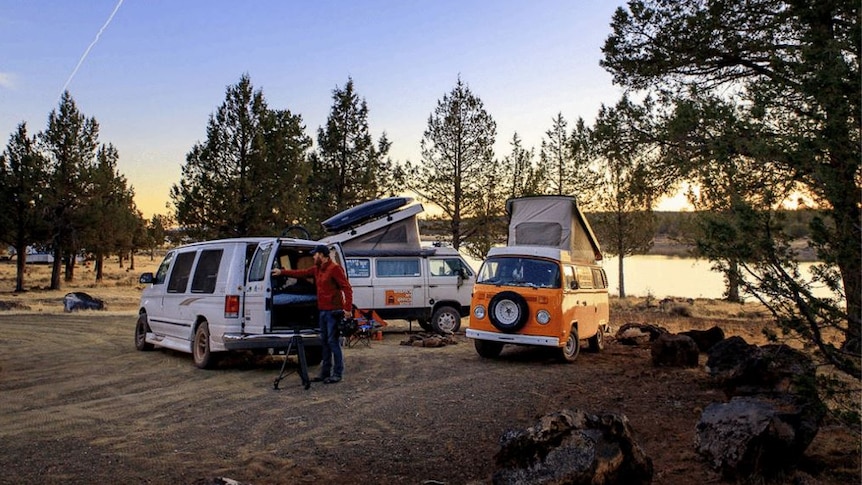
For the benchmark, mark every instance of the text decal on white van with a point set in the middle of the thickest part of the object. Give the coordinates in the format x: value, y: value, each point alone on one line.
x: 399, y: 297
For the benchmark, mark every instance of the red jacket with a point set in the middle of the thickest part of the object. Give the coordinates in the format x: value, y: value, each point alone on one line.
x: 333, y: 289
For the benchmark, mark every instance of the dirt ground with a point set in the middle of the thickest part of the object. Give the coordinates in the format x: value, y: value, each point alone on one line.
x: 81, y: 405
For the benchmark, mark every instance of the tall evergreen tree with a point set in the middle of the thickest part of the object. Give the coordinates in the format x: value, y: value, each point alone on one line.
x: 23, y: 183
x: 526, y: 177
x: 456, y: 147
x: 109, y: 204
x: 565, y: 159
x: 792, y: 70
x: 348, y: 168
x: 556, y: 158
x: 626, y: 224
x: 249, y: 176
x: 70, y: 143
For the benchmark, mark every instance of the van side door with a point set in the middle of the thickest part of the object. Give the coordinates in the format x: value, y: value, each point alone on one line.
x: 258, y: 289
x: 358, y: 271
x: 398, y: 283
x: 178, y: 317
x: 589, y: 298
x: 153, y: 296
x: 450, y: 279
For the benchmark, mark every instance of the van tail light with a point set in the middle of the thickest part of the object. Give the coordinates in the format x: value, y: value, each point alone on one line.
x: 231, y: 306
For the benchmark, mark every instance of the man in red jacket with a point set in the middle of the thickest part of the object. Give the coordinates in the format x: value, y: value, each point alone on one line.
x: 334, y: 300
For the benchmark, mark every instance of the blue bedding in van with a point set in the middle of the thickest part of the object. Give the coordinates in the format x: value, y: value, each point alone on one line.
x: 292, y: 298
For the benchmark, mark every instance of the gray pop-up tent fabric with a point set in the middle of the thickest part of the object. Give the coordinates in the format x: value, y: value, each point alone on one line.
x: 399, y: 235
x: 552, y: 221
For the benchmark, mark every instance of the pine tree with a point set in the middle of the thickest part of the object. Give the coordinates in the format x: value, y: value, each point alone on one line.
x: 791, y: 72
x: 249, y: 176
x: 23, y: 183
x: 626, y: 224
x: 456, y: 148
x: 348, y: 168
x: 69, y: 142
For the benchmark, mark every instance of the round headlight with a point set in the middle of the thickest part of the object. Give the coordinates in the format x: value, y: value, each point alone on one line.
x: 543, y: 317
x: 479, y: 312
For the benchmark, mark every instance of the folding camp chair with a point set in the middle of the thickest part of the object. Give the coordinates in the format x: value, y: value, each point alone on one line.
x: 365, y: 329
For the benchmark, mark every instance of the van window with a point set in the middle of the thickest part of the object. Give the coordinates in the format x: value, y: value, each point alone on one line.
x: 206, y: 271
x: 517, y: 271
x: 162, y: 272
x: 570, y: 280
x: 358, y: 268
x: 180, y: 275
x: 447, y: 267
x: 599, y: 277
x: 397, y: 267
x: 585, y: 277
x: 259, y: 268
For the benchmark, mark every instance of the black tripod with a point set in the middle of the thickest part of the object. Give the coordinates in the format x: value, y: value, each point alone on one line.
x: 296, y: 341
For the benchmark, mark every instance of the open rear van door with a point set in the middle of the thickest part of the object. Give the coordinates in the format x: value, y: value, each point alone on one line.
x: 258, y: 289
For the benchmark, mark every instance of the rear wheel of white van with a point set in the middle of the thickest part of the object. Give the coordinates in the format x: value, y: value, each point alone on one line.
x: 569, y: 352
x: 203, y: 356
x: 487, y: 348
x: 141, y: 329
x: 446, y: 320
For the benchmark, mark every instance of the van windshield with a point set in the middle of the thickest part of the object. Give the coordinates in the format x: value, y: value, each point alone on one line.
x: 519, y: 271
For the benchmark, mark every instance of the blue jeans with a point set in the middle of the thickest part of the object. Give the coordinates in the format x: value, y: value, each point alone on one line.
x: 331, y: 346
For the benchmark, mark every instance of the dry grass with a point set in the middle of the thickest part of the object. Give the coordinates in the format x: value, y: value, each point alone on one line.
x: 119, y: 287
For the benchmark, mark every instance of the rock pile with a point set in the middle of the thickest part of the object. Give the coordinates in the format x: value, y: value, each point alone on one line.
x: 573, y: 447
x: 429, y: 340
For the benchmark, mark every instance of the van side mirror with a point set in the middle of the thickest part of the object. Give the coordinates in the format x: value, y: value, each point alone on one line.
x: 146, y: 279
x: 573, y: 285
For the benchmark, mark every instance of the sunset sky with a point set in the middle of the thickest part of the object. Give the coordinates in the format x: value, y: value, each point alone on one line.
x: 151, y: 72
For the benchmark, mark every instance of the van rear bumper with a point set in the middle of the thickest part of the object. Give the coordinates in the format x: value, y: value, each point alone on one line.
x: 511, y: 338
x: 238, y: 341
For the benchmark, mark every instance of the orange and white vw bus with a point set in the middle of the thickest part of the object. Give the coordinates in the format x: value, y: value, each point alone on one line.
x: 547, y: 289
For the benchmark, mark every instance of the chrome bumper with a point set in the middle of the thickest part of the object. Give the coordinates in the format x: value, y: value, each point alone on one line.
x: 236, y: 341
x: 511, y: 338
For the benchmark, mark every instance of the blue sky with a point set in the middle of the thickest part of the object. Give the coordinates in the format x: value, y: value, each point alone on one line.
x: 161, y: 67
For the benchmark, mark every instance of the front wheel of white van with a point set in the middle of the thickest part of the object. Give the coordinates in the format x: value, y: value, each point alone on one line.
x: 446, y: 320
x: 141, y: 329
x: 203, y: 356
x: 569, y: 352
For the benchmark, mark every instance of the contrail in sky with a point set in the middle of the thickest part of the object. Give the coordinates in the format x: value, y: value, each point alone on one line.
x: 90, y: 47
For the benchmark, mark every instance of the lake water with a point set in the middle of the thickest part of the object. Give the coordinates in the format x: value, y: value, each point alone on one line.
x: 665, y: 276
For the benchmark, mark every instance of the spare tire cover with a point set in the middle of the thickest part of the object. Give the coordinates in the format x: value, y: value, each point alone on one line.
x: 508, y: 311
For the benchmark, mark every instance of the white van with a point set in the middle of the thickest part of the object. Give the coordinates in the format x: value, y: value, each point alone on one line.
x: 216, y: 296
x: 431, y: 285
x: 391, y: 271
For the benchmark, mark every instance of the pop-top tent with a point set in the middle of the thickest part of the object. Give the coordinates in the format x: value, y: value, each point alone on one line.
x: 552, y: 221
x: 381, y: 227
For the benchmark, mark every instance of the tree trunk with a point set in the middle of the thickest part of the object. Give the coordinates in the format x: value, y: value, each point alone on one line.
x: 98, y: 265
x: 55, y: 266
x: 20, y: 266
x: 733, y: 282
x: 131, y: 260
x: 622, y: 278
x: 69, y: 275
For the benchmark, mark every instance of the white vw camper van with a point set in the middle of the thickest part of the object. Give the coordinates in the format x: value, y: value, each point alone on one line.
x: 393, y: 274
